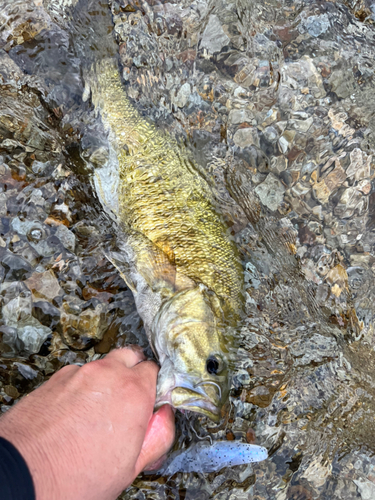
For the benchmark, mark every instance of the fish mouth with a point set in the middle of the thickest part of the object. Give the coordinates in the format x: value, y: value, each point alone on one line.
x: 203, y: 399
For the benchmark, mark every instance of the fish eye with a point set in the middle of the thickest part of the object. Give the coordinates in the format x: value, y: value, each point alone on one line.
x: 213, y: 365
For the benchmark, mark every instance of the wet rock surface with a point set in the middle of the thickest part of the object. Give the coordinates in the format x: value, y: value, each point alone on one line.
x: 276, y: 102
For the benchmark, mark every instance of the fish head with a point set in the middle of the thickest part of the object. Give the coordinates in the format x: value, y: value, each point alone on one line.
x: 188, y: 337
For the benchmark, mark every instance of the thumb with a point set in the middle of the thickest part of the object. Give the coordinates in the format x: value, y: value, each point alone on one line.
x: 158, y: 439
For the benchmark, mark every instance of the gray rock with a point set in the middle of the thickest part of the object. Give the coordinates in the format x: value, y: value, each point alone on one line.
x: 47, y: 314
x: 16, y: 268
x: 237, y: 116
x: 26, y: 371
x: 37, y: 198
x: 17, y: 309
x: 26, y: 227
x: 314, y: 350
x: 342, y: 83
x: 299, y: 190
x: 241, y: 378
x: 271, y: 192
x: 44, y: 248
x: 278, y: 164
x: 351, y: 200
x: 3, y: 206
x: 66, y: 237
x: 196, y: 103
x: 317, y: 25
x: 24, y: 332
x: 270, y: 134
x: 300, y: 125
x: 183, y: 94
x: 365, y: 488
x: 359, y: 167
x: 214, y: 37
x: 41, y: 168
x: 283, y: 144
x: 246, y: 137
x: 33, y: 335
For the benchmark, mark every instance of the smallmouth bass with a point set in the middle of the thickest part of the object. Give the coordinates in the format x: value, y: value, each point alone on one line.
x: 175, y: 254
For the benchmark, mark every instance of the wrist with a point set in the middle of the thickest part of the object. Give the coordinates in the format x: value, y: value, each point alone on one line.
x: 20, y: 429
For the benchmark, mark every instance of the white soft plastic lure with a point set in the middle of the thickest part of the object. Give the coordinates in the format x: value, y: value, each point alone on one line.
x: 205, y: 457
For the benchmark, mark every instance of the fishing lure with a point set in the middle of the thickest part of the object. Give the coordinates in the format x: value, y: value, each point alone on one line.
x: 205, y: 457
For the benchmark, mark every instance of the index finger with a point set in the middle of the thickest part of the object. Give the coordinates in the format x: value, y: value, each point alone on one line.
x: 130, y: 355
x: 147, y: 370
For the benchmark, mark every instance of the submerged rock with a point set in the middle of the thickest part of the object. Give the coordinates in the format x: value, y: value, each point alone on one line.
x: 16, y: 267
x: 271, y: 192
x: 182, y: 96
x: 32, y: 335
x: 214, y: 37
x: 66, y: 237
x: 80, y: 329
x: 43, y: 285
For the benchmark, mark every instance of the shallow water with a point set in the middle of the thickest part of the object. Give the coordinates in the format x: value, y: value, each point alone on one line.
x: 276, y: 102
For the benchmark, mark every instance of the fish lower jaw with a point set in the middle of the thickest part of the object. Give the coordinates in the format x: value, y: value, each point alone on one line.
x: 197, y: 405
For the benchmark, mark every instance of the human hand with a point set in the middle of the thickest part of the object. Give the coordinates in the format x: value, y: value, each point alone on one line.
x: 90, y: 430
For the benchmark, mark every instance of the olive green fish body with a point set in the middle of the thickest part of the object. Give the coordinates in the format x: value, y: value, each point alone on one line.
x: 164, y: 197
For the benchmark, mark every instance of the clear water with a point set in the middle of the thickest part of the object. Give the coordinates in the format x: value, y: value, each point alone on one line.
x: 285, y: 106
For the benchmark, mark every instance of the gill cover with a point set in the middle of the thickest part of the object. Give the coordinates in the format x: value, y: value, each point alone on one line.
x: 187, y: 336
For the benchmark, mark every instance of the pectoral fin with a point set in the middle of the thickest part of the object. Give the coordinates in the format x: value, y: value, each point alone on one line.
x: 122, y: 267
x: 138, y: 256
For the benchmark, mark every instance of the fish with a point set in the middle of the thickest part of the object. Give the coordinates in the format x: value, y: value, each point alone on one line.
x: 205, y: 457
x: 174, y: 250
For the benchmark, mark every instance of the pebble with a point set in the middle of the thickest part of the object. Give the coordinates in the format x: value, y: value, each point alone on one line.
x: 183, y: 94
x: 237, y: 116
x: 66, y: 237
x: 196, y: 104
x: 271, y: 192
x: 317, y: 25
x: 241, y: 378
x: 359, y: 167
x: 366, y: 489
x: 25, y: 227
x: 16, y: 267
x: 32, y: 335
x: 46, y: 313
x: 214, y: 38
x: 246, y: 137
x: 43, y: 285
x: 342, y: 83
x: 301, y: 125
x: 270, y: 134
x: 80, y: 330
x: 40, y: 168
